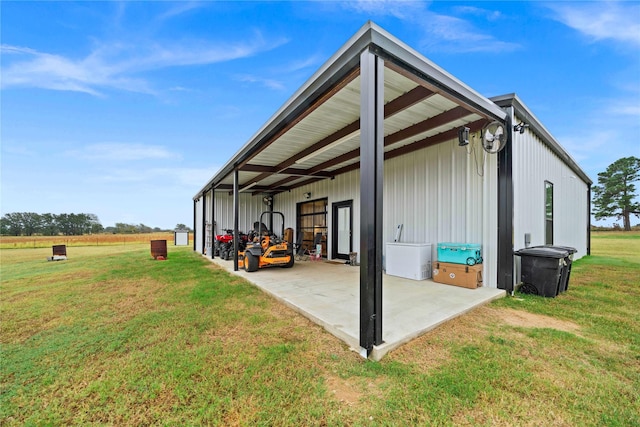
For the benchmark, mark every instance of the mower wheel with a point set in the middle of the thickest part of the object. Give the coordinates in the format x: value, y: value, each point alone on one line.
x: 250, y: 262
x: 290, y: 263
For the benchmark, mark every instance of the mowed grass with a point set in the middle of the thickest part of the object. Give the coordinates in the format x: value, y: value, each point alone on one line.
x: 111, y: 336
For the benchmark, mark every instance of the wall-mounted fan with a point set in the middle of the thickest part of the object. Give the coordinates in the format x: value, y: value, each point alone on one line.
x: 267, y: 200
x: 494, y: 137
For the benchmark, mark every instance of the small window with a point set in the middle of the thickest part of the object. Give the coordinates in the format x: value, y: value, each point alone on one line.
x: 548, y: 213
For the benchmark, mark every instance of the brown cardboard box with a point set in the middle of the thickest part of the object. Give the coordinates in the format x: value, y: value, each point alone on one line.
x: 467, y: 276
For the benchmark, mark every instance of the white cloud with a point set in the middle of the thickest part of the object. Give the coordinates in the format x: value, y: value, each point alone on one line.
x: 455, y: 34
x: 442, y: 32
x: 625, y: 108
x: 398, y: 9
x: 123, y: 152
x: 270, y: 83
x: 163, y: 177
x: 619, y: 21
x: 490, y: 15
x: 114, y: 66
x: 179, y: 9
x: 301, y: 64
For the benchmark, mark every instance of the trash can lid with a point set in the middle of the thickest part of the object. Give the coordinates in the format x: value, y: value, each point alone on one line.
x: 564, y: 248
x: 543, y: 252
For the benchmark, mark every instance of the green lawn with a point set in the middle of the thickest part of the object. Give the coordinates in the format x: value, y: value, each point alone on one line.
x: 111, y: 336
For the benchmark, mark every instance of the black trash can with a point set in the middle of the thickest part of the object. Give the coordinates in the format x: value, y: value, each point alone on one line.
x: 566, y: 272
x: 542, y: 270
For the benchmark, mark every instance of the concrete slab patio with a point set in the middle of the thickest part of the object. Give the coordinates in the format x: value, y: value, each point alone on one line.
x: 328, y: 293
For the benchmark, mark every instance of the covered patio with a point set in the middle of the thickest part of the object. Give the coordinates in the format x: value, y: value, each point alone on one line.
x: 328, y: 293
x: 375, y: 104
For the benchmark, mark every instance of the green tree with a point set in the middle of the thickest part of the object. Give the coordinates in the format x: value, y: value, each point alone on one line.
x: 31, y: 223
x: 615, y: 194
x: 49, y: 224
x: 12, y: 224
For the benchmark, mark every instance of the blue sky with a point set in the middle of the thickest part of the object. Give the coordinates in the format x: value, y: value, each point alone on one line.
x: 125, y: 109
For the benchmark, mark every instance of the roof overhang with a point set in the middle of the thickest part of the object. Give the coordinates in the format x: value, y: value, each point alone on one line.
x: 315, y: 134
x: 523, y: 112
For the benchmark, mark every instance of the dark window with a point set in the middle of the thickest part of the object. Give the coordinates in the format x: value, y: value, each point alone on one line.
x: 312, y: 219
x: 548, y: 213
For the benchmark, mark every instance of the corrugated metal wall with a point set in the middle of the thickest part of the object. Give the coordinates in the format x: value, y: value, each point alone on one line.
x: 436, y: 194
x: 249, y: 210
x: 534, y: 163
x: 442, y: 193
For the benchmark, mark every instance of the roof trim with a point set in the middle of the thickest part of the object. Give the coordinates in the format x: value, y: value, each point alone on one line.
x: 512, y: 100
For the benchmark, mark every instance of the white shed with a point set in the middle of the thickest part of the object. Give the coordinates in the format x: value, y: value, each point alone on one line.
x: 377, y: 138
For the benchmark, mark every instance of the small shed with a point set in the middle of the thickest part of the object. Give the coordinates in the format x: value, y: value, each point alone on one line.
x: 181, y: 237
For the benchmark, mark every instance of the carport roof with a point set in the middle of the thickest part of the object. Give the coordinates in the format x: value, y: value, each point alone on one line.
x: 315, y: 134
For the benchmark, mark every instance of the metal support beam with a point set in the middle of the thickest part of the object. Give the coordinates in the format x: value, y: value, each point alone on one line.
x: 213, y: 223
x: 589, y: 219
x: 204, y: 221
x: 195, y: 225
x: 236, y: 209
x: 505, y: 211
x: 371, y: 184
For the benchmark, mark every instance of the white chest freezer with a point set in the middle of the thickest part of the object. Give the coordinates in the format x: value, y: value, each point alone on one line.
x: 409, y: 260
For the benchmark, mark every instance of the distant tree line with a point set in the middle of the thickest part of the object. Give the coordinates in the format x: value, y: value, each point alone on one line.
x: 30, y: 223
x: 122, y: 228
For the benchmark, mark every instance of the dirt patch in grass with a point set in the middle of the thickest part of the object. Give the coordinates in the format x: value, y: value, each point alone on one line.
x: 353, y: 391
x: 430, y: 350
x: 525, y: 319
x: 343, y: 390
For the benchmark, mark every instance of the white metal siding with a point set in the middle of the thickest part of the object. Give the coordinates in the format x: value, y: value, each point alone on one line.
x: 533, y: 164
x: 441, y: 193
x: 249, y: 210
x: 444, y: 193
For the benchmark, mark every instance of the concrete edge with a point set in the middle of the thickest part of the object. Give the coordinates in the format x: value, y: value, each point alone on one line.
x: 380, y: 351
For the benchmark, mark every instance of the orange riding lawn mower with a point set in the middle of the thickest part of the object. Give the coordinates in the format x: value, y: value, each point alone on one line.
x: 265, y: 249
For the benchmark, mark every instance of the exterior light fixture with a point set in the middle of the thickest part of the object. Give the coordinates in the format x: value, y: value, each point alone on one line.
x: 463, y: 136
x: 520, y: 127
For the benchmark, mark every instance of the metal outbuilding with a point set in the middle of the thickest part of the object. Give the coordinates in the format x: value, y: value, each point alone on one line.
x: 374, y: 139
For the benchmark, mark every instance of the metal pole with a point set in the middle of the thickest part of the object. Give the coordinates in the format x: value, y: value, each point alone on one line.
x: 213, y: 223
x: 235, y: 220
x: 195, y: 226
x: 505, y: 211
x: 371, y: 185
x: 204, y: 220
x: 589, y: 219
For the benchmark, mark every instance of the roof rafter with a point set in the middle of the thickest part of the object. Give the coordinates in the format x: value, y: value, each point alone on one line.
x: 315, y: 105
x: 414, y: 146
x: 414, y: 96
